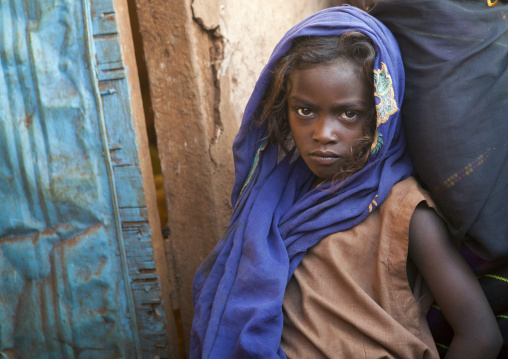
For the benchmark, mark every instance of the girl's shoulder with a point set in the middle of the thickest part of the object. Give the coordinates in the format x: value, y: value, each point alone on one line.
x: 405, y: 196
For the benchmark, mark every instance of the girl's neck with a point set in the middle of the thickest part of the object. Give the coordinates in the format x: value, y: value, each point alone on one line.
x: 317, y: 182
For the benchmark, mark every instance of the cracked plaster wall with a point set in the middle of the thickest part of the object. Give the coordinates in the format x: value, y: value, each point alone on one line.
x: 203, y: 59
x: 249, y: 30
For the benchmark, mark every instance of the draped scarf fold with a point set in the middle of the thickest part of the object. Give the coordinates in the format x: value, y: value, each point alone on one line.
x: 239, y: 288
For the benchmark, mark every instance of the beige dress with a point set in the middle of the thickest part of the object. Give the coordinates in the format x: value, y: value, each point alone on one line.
x: 350, y: 296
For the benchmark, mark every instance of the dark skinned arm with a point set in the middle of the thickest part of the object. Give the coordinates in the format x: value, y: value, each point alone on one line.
x: 454, y: 287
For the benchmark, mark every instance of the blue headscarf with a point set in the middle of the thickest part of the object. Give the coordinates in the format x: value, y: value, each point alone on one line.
x: 239, y: 288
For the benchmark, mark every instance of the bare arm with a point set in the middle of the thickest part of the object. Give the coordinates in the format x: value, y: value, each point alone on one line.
x: 454, y: 286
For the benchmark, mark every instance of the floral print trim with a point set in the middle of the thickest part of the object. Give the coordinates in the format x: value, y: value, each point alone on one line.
x: 387, y: 105
x: 374, y: 202
x: 253, y: 168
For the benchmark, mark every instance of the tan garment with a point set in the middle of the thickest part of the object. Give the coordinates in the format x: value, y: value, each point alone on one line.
x: 350, y: 296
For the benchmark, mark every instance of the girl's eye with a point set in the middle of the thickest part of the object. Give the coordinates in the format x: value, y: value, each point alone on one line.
x: 304, y: 111
x: 348, y: 115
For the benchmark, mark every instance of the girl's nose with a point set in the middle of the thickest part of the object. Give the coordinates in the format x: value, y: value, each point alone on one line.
x: 324, y: 131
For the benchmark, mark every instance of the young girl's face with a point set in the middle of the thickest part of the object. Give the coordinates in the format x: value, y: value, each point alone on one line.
x: 328, y: 112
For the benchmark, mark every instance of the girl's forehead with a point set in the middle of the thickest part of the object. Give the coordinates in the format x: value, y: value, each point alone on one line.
x: 330, y: 85
x: 342, y: 66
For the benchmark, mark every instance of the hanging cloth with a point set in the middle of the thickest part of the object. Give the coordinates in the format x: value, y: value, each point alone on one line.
x: 455, y: 56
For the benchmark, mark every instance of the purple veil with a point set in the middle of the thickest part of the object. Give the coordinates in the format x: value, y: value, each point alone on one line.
x: 239, y: 288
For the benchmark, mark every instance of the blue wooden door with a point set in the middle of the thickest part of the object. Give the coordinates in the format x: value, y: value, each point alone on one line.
x: 77, y: 271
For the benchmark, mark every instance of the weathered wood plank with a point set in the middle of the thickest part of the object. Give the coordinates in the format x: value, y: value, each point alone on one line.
x: 129, y: 187
x: 128, y: 178
x: 108, y: 51
x: 104, y: 24
x: 103, y: 6
x: 138, y: 214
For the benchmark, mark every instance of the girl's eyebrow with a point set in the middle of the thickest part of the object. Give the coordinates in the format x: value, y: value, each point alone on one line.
x: 300, y: 100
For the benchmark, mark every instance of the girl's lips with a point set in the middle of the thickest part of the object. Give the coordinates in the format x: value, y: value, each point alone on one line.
x: 323, y: 157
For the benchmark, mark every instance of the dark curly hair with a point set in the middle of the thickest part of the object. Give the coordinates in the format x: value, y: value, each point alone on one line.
x: 310, y: 51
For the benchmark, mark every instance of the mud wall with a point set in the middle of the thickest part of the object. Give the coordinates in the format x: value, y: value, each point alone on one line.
x: 203, y: 58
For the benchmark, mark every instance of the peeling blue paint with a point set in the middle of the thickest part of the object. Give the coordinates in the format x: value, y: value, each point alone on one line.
x: 74, y: 280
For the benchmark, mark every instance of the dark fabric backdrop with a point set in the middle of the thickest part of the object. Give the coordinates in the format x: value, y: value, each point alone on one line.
x: 455, y: 111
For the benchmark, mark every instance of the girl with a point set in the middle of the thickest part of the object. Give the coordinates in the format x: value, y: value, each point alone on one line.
x: 315, y: 260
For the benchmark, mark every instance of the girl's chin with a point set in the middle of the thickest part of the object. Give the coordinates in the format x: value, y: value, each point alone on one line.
x: 325, y: 175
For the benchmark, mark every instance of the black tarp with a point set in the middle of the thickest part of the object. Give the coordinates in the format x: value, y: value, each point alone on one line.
x: 455, y: 112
